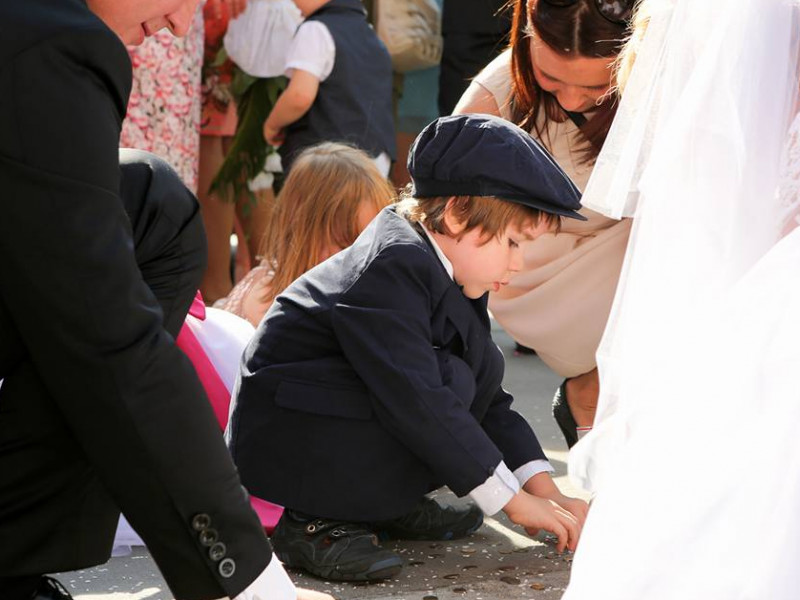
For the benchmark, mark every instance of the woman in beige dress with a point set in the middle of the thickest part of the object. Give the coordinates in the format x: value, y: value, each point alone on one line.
x: 555, y: 80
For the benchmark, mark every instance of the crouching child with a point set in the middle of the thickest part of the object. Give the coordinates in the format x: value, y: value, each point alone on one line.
x: 374, y: 380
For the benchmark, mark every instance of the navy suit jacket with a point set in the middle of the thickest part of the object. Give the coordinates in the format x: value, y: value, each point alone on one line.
x: 371, y: 381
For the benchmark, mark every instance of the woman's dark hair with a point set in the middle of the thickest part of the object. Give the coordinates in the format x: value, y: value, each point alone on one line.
x: 571, y: 31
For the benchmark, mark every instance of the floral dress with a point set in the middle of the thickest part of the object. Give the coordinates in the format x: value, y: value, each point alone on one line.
x: 164, y: 107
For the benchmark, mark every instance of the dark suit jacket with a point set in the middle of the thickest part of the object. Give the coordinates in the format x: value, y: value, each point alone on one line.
x: 98, y: 409
x: 372, y: 380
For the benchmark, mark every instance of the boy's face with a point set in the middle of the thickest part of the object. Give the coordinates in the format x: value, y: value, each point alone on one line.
x: 481, y: 265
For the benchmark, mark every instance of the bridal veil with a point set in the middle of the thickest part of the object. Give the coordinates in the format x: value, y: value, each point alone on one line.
x: 694, y: 461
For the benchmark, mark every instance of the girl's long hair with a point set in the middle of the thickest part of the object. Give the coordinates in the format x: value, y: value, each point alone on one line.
x: 578, y: 30
x: 318, y: 208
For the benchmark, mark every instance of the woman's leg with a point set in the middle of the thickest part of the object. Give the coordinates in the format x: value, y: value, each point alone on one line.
x: 218, y: 214
x: 255, y: 218
x: 582, y: 392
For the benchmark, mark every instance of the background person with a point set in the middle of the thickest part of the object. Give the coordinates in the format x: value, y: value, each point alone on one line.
x: 473, y: 32
x: 329, y: 198
x: 554, y: 82
x: 163, y: 114
x: 340, y: 85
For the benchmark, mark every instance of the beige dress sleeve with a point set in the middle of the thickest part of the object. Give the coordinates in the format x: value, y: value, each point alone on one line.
x: 559, y: 303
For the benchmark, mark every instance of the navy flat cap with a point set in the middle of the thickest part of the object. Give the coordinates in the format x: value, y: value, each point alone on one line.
x: 483, y: 155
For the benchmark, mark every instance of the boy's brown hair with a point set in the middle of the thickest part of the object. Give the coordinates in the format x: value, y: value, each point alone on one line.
x: 492, y: 215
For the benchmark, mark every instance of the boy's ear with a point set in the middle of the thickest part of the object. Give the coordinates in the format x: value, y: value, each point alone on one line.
x: 452, y: 223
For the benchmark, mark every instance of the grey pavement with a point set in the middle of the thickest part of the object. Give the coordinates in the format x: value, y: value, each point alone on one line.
x: 499, y: 561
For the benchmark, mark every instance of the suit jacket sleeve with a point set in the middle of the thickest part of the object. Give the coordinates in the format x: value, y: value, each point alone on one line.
x: 511, y: 432
x: 91, y: 326
x: 383, y: 326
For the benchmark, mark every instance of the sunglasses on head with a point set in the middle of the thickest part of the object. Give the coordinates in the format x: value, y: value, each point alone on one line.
x: 616, y: 11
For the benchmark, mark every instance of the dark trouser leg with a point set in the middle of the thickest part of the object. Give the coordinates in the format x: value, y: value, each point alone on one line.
x: 18, y: 588
x: 463, y: 57
x: 168, y: 233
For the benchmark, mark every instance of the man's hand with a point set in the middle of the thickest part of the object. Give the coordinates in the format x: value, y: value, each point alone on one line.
x: 303, y: 594
x: 535, y: 513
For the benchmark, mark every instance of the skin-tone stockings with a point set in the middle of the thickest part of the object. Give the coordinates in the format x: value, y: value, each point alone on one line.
x: 582, y: 392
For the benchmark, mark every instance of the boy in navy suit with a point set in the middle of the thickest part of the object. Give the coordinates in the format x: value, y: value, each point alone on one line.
x: 373, y: 378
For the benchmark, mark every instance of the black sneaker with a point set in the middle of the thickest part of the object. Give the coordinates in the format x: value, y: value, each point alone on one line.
x: 431, y: 521
x: 332, y: 549
x: 51, y: 589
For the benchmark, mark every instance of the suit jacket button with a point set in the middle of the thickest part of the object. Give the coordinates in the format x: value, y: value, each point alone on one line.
x: 201, y: 522
x: 208, y: 536
x: 217, y: 552
x: 227, y: 568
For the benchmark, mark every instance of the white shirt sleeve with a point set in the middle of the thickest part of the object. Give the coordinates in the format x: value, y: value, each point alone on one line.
x: 272, y: 584
x: 312, y: 50
x: 532, y: 468
x: 494, y: 493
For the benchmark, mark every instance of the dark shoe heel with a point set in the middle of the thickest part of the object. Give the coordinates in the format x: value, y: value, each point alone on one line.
x: 563, y: 415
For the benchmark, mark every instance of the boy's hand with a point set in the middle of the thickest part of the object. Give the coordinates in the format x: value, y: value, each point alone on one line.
x: 579, y: 508
x: 543, y: 486
x: 535, y: 513
x: 273, y: 136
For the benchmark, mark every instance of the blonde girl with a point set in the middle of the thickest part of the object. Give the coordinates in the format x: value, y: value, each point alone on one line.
x: 331, y: 194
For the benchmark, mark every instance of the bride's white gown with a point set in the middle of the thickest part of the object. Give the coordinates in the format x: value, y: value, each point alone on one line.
x: 695, y: 457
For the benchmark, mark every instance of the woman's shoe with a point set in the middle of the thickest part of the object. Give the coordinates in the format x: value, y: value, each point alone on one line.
x: 563, y: 415
x: 520, y: 350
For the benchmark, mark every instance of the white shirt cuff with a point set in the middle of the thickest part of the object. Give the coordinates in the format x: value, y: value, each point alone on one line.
x: 272, y: 584
x: 532, y: 468
x: 494, y: 493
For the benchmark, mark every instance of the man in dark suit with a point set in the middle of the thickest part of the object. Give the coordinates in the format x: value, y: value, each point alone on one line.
x: 99, y: 411
x: 374, y: 379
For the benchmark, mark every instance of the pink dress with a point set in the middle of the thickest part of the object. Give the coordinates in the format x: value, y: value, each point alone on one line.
x: 213, y: 340
x: 164, y: 107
